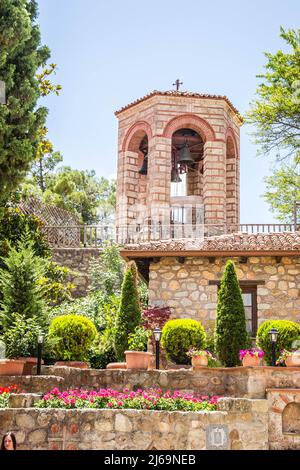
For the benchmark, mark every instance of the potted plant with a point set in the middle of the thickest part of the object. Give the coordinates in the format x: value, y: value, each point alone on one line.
x: 21, y: 345
x: 251, y: 357
x: 199, y: 357
x: 137, y: 356
x: 289, y: 358
x: 71, y: 338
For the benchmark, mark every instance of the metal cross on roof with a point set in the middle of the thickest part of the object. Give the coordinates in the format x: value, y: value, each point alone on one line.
x: 177, y: 84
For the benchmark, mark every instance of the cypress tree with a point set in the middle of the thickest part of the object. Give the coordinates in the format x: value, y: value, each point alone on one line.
x: 20, y: 287
x: 231, y: 334
x: 21, y: 55
x: 129, y: 313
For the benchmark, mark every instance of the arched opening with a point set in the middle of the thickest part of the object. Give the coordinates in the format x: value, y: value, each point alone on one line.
x: 291, y: 418
x: 231, y: 185
x: 187, y: 177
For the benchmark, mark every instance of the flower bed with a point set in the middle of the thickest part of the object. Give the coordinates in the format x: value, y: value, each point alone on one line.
x: 5, y: 392
x: 152, y: 399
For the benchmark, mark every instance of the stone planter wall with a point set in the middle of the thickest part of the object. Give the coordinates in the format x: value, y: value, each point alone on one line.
x: 249, y: 382
x: 243, y: 424
x: 185, y: 287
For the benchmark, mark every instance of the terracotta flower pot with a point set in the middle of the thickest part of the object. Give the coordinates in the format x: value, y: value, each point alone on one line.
x: 11, y: 367
x: 137, y: 359
x: 293, y: 360
x: 199, y: 361
x: 78, y: 364
x: 29, y: 363
x: 251, y: 360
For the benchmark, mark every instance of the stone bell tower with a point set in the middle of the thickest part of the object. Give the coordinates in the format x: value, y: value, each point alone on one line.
x: 178, y: 163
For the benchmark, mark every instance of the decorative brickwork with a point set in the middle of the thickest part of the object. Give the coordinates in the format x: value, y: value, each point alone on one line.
x: 156, y: 118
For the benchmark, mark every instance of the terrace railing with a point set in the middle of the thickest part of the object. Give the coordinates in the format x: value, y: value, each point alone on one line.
x: 96, y: 235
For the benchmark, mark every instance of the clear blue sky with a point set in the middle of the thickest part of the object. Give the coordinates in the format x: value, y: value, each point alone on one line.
x: 110, y: 53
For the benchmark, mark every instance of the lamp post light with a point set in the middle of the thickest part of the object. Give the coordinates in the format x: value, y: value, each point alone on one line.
x: 39, y: 352
x: 157, y: 335
x: 273, y: 336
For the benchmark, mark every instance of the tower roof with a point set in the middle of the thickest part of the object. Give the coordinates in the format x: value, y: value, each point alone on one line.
x: 180, y: 94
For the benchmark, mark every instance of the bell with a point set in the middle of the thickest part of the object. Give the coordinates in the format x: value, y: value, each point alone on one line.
x: 144, y: 168
x: 175, y: 178
x: 185, y: 157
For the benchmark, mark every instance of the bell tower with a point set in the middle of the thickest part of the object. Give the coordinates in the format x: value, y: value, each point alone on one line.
x: 178, y: 166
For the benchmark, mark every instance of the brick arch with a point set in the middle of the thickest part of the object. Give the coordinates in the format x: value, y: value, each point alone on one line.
x: 230, y: 134
x: 134, y: 135
x: 190, y: 121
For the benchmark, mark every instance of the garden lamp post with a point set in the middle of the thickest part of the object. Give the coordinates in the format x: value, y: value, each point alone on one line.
x: 39, y: 351
x: 157, y: 335
x: 273, y: 336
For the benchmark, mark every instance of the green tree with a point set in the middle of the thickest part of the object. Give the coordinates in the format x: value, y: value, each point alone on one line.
x: 283, y: 187
x: 276, y: 111
x: 81, y: 193
x: 231, y: 335
x: 106, y: 272
x: 129, y: 313
x: 20, y: 286
x: 21, y: 55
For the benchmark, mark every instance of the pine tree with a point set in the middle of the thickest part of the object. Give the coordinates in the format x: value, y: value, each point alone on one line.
x: 231, y: 334
x: 20, y: 286
x: 21, y: 55
x: 129, y: 314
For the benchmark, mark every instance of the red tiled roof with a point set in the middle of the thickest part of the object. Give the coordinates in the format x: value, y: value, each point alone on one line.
x: 235, y: 242
x: 179, y: 94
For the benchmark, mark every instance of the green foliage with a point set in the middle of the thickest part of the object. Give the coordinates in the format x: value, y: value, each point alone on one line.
x: 210, y: 337
x: 72, y: 337
x: 20, y: 288
x: 178, y: 336
x: 15, y: 225
x: 82, y: 193
x: 106, y: 272
x: 129, y: 314
x: 283, y: 188
x: 103, y: 352
x: 230, y: 335
x: 288, y: 332
x: 21, y: 55
x: 57, y: 287
x: 21, y: 338
x: 138, y: 340
x: 99, y: 308
x: 276, y: 111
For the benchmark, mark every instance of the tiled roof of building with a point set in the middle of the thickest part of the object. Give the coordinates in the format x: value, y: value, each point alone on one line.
x: 235, y: 242
x: 179, y: 94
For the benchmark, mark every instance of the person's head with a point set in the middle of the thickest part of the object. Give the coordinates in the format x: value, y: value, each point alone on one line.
x: 9, y: 441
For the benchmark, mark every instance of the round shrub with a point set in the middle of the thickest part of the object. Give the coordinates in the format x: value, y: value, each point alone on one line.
x: 178, y: 336
x: 288, y: 332
x: 72, y: 336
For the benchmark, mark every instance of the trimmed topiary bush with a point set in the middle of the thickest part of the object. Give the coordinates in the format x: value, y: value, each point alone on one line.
x: 178, y: 336
x: 231, y: 334
x: 129, y: 314
x: 288, y: 332
x: 72, y: 337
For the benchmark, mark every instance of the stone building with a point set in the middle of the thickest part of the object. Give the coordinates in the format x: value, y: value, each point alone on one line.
x: 178, y: 210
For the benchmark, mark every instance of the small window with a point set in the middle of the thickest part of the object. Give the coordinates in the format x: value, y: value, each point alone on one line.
x: 249, y: 295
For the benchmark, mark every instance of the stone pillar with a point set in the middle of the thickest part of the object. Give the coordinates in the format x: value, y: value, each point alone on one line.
x: 159, y: 177
x: 214, y: 196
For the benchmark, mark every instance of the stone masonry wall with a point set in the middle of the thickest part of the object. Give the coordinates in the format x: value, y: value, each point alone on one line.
x: 77, y: 260
x: 247, y: 382
x: 185, y: 287
x: 244, y: 421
